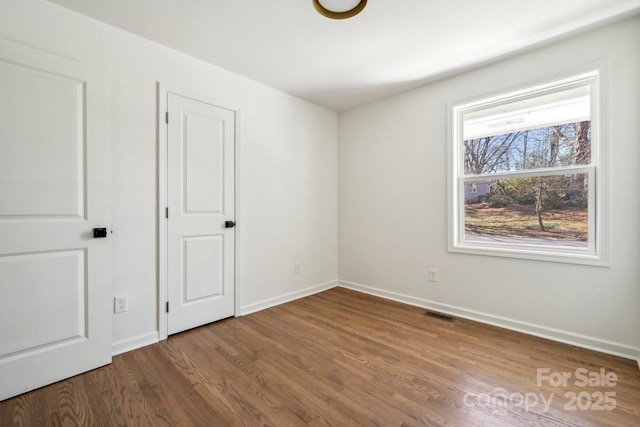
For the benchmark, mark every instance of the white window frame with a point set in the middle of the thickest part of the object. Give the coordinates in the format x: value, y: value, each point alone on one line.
x: 597, y: 251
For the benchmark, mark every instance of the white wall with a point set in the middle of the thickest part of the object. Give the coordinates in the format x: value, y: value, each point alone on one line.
x: 392, y: 202
x: 287, y: 179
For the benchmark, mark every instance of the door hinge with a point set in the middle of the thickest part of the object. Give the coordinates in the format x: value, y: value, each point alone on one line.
x: 166, y: 213
x: 166, y: 117
x: 167, y: 308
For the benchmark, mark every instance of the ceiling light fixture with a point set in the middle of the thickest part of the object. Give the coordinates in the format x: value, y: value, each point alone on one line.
x: 339, y: 9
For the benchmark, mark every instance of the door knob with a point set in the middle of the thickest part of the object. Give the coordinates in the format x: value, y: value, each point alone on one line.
x: 99, y: 233
x: 229, y: 224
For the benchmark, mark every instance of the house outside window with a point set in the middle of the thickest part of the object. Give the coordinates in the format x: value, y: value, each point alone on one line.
x: 527, y: 173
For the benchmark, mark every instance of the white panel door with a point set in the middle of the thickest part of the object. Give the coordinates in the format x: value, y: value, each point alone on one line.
x: 201, y: 193
x: 55, y: 285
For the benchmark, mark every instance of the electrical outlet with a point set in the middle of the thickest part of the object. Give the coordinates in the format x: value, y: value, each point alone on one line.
x: 433, y: 275
x: 296, y: 268
x: 120, y: 304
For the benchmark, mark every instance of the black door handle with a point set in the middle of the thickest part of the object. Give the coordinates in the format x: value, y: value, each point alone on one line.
x: 99, y: 233
x: 229, y: 224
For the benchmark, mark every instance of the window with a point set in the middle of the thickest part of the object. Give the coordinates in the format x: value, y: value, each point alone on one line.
x: 527, y: 173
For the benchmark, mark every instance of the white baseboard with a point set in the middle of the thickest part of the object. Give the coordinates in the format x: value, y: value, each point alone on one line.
x: 591, y: 343
x: 134, y: 343
x: 272, y: 302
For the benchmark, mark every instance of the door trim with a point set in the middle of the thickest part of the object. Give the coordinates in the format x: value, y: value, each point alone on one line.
x: 163, y: 91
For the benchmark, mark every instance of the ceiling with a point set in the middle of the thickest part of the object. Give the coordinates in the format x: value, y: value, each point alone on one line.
x: 392, y: 46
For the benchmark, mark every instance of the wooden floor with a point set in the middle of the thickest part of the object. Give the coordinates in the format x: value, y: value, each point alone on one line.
x: 341, y: 358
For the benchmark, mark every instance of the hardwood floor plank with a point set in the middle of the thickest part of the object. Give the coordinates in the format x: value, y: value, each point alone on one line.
x: 339, y: 358
x: 104, y: 398
x: 268, y: 372
x: 23, y: 411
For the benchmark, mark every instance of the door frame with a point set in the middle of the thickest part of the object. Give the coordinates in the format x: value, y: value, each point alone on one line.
x: 163, y: 91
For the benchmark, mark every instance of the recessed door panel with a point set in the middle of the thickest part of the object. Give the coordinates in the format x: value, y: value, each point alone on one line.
x: 42, y: 162
x: 48, y: 303
x: 204, y: 163
x: 203, y: 267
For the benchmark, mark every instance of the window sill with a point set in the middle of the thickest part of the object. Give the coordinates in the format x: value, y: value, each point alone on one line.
x: 569, y: 254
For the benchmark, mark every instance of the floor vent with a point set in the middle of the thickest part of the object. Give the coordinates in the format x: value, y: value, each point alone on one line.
x: 439, y: 316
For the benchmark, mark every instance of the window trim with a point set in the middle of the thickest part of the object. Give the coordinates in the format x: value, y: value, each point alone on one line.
x: 598, y: 250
